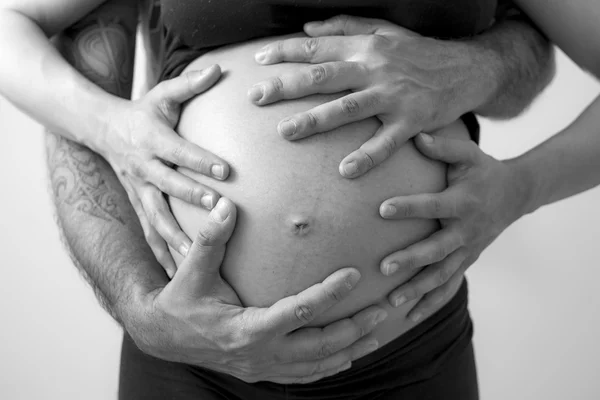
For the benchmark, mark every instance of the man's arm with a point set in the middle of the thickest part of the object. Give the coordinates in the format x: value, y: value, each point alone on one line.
x: 520, y: 62
x: 98, y: 224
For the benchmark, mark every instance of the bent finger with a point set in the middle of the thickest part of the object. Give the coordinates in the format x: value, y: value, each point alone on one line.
x: 155, y: 241
x: 451, y: 151
x: 161, y: 219
x: 387, y: 139
x: 200, y: 269
x: 433, y: 300
x: 295, y: 311
x: 332, y: 77
x: 435, y: 248
x: 351, y: 108
x: 308, y: 49
x: 343, y: 25
x: 178, y: 151
x: 428, y: 280
x: 426, y: 205
x: 310, y: 344
x: 176, y: 184
x: 170, y: 94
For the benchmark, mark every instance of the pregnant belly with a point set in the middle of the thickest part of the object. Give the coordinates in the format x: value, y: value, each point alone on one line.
x: 298, y: 219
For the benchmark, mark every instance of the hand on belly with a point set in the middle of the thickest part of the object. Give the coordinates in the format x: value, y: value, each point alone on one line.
x: 299, y: 220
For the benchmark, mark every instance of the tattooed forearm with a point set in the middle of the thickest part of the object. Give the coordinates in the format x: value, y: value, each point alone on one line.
x: 77, y: 180
x: 97, y: 224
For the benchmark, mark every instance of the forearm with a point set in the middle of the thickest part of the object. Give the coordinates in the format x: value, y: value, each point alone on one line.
x: 98, y: 225
x: 36, y: 78
x: 564, y: 165
x: 515, y: 62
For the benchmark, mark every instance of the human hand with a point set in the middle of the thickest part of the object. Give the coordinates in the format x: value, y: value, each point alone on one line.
x: 198, y: 319
x: 410, y: 82
x: 141, y: 146
x: 484, y: 196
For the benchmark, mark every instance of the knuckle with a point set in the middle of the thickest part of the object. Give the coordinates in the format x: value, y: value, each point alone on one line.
x: 165, y: 106
x: 136, y: 167
x: 405, y: 209
x: 350, y: 106
x: 336, y: 294
x: 304, y: 313
x: 375, y: 43
x: 311, y: 120
x: 276, y: 86
x: 318, y: 75
x: 310, y: 46
x: 412, y: 262
x: 177, y: 152
x: 326, y: 349
x: 441, y: 277
x: 434, y: 204
x: 389, y: 145
x: 206, y: 237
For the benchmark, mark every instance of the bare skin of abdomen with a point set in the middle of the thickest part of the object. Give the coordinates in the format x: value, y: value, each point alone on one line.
x: 299, y: 220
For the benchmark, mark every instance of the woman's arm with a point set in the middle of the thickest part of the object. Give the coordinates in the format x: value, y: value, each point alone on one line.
x: 410, y: 82
x: 567, y: 163
x: 135, y: 137
x: 485, y: 195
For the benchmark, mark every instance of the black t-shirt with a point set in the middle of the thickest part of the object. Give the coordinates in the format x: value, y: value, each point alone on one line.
x: 193, y: 27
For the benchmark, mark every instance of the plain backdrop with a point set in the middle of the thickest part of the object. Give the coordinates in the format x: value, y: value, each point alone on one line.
x: 533, y: 292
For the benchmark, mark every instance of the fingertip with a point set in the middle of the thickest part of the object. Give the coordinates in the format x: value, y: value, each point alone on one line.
x: 426, y: 138
x: 220, y: 171
x: 349, y: 169
x: 387, y: 210
x: 311, y: 26
x: 222, y: 211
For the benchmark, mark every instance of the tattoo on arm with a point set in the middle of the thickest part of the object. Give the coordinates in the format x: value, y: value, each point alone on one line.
x: 98, y: 225
x: 77, y: 180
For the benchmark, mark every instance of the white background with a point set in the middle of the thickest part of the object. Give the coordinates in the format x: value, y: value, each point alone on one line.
x: 534, y: 294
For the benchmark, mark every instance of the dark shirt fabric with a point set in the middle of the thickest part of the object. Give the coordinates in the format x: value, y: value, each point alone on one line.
x: 194, y: 27
x: 433, y: 361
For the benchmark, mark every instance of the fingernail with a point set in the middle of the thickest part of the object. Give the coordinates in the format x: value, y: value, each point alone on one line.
x: 426, y: 138
x: 388, y: 211
x: 400, y: 300
x: 184, y: 249
x: 208, y: 201
x: 220, y: 212
x: 391, y: 268
x: 287, y: 127
x: 350, y: 168
x: 256, y: 93
x: 366, y: 348
x: 346, y: 366
x: 218, y: 171
x: 261, y: 56
x: 313, y: 25
x: 379, y: 317
x: 370, y: 347
x: 352, y: 281
x: 416, y: 317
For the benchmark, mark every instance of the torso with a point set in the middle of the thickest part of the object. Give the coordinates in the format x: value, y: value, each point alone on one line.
x: 299, y: 220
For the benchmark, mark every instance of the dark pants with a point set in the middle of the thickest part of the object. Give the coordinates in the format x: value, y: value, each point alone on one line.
x: 433, y: 361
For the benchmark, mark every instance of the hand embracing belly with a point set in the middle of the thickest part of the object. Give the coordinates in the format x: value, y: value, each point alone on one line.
x: 299, y: 220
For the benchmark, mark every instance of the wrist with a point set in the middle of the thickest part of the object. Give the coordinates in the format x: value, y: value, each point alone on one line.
x: 484, y: 76
x: 476, y: 77
x: 526, y: 184
x: 102, y: 138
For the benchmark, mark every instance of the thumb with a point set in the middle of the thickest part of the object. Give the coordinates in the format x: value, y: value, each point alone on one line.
x: 170, y: 94
x: 200, y: 269
x: 451, y: 151
x: 344, y: 25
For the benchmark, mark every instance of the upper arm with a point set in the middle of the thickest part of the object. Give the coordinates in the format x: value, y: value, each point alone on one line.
x: 572, y: 25
x: 52, y: 16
